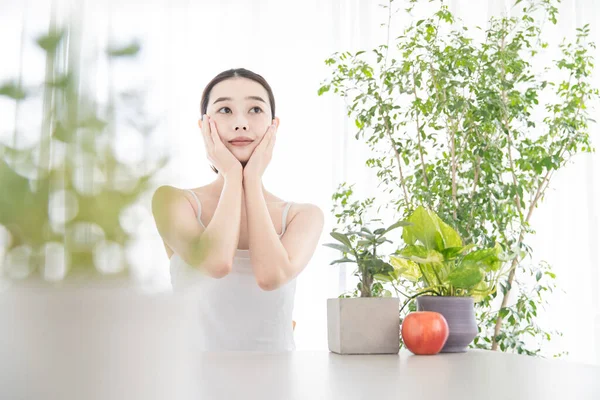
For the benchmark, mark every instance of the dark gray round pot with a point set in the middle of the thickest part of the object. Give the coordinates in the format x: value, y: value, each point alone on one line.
x: 460, y: 315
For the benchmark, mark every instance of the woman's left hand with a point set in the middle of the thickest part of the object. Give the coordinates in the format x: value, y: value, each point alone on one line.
x: 261, y: 156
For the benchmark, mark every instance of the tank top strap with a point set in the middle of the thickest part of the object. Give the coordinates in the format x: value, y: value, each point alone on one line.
x: 199, y: 213
x: 284, y: 218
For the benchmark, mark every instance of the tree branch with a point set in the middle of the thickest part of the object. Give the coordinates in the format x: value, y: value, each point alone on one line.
x: 419, y: 133
x: 453, y: 164
x: 544, y: 184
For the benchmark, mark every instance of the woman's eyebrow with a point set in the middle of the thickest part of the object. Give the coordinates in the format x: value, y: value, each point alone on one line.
x: 257, y: 98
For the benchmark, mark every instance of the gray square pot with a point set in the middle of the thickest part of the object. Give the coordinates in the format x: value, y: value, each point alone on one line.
x: 363, y: 325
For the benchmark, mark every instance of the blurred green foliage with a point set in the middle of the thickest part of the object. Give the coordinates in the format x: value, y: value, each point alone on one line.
x: 62, y: 198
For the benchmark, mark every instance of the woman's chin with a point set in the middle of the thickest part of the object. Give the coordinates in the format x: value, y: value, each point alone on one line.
x: 241, y: 149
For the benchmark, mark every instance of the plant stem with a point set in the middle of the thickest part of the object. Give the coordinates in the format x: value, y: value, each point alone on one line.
x: 419, y: 133
x: 398, y: 290
x: 19, y: 81
x: 507, y: 127
x: 50, y: 101
x: 423, y: 275
x: 453, y: 165
x: 417, y: 295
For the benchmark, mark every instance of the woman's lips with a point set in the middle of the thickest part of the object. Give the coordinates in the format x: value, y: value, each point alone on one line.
x: 241, y: 143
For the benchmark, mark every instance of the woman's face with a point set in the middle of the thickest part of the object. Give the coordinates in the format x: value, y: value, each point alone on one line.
x: 240, y: 107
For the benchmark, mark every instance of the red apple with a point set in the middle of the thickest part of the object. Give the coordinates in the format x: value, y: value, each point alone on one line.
x: 425, y: 332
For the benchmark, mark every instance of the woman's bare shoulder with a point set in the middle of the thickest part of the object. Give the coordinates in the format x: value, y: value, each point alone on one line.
x: 207, y: 192
x: 174, y: 212
x: 168, y: 193
x: 172, y: 197
x: 310, y: 208
x: 168, y: 190
x: 302, y: 206
x: 167, y: 198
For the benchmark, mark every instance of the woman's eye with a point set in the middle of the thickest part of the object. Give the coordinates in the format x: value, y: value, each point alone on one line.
x: 253, y: 108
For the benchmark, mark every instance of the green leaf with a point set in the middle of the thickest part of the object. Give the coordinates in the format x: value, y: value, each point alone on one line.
x: 466, y: 278
x: 342, y: 260
x: 51, y: 41
x: 488, y: 259
x: 452, y: 252
x: 480, y: 291
x: 61, y: 81
x: 367, y: 71
x: 414, y: 250
x: 422, y: 255
x: 126, y: 51
x: 12, y: 90
x: 340, y: 237
x: 377, y: 266
x: 62, y: 133
x: 406, y: 268
x: 365, y: 235
x: 428, y: 229
x: 340, y: 247
x: 396, y: 225
x: 450, y: 237
x: 364, y: 243
x: 383, y: 278
x: 323, y: 89
x: 366, y: 230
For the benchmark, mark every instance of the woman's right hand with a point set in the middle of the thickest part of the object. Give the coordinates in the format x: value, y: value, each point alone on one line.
x: 216, y: 152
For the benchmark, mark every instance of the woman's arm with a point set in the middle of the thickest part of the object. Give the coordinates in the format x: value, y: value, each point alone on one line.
x: 223, y: 232
x: 212, y: 248
x: 276, y: 261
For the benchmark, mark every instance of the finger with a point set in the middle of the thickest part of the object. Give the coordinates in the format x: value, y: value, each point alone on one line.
x: 215, y: 133
x: 272, y: 134
x: 273, y: 139
x: 206, y: 131
x: 267, y: 137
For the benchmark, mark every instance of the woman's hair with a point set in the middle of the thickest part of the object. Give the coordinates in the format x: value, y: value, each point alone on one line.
x: 235, y: 73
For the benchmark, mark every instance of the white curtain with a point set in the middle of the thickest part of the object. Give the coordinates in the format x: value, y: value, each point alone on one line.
x: 186, y: 43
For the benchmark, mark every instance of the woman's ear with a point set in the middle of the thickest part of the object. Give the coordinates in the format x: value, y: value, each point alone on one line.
x: 200, y: 123
x: 277, y: 122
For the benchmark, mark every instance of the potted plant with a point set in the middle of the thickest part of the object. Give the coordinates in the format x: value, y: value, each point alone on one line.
x: 366, y: 321
x: 475, y: 122
x: 450, y: 275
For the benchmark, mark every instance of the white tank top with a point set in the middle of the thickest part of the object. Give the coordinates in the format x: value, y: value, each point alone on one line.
x: 234, y: 313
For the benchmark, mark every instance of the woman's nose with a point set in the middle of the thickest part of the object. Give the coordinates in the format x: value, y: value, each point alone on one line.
x: 240, y: 123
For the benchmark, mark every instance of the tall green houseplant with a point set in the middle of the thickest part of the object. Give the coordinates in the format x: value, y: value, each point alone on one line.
x: 475, y: 130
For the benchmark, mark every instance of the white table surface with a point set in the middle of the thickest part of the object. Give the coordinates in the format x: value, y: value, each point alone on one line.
x: 477, y: 374
x: 106, y: 346
x: 302, y: 375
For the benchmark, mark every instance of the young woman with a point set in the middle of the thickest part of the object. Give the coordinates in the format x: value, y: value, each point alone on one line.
x: 248, y: 243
